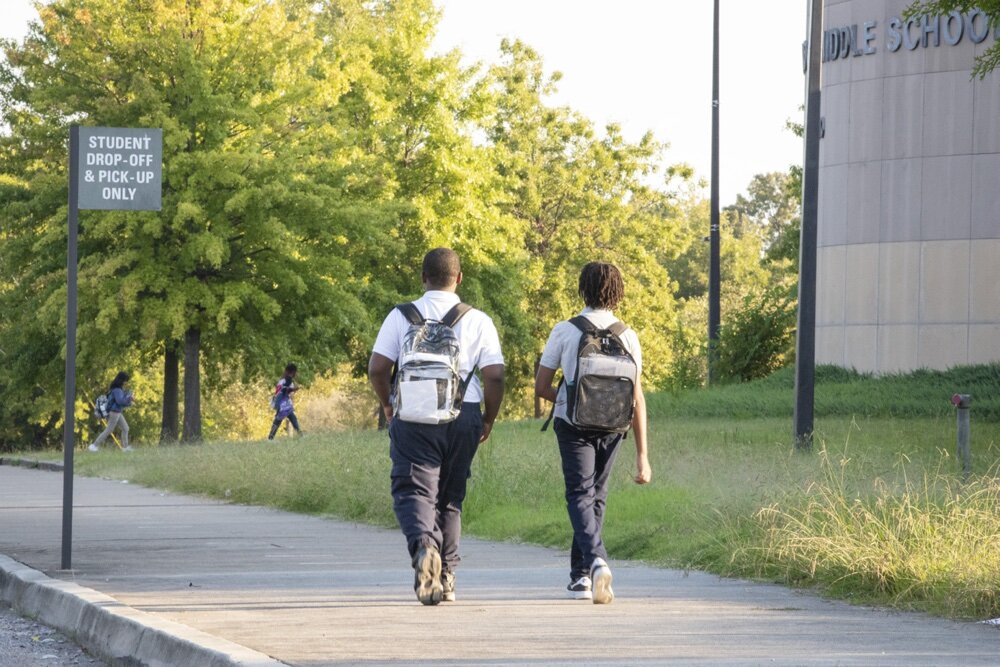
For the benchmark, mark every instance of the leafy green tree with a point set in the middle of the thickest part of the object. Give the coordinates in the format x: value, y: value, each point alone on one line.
x: 769, y: 206
x: 245, y: 265
x: 578, y: 196
x: 406, y: 126
x: 743, y: 273
x: 739, y: 255
x: 784, y: 249
x: 989, y: 59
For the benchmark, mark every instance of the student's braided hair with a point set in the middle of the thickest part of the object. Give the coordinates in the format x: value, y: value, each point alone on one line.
x: 601, y: 285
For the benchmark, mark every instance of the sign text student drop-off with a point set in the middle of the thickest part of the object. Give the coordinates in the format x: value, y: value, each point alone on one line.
x: 120, y: 168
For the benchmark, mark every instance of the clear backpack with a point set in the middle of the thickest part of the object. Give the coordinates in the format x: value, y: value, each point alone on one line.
x: 101, y: 406
x: 428, y: 388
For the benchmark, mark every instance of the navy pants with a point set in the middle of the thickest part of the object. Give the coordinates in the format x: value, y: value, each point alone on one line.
x: 587, y: 457
x: 277, y: 423
x: 431, y: 466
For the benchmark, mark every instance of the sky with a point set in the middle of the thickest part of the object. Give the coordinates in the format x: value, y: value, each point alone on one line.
x: 646, y: 65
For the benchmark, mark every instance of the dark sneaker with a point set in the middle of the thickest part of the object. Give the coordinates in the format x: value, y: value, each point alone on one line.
x: 600, y: 574
x: 580, y: 589
x: 427, y: 575
x: 447, y: 587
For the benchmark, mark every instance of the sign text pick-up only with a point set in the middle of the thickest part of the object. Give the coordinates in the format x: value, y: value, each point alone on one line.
x: 120, y: 168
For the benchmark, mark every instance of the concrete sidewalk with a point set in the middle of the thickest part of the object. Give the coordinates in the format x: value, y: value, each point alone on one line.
x: 310, y: 591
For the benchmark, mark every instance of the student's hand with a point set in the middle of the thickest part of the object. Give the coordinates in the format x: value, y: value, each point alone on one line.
x: 644, y: 473
x: 487, y: 429
x: 387, y: 410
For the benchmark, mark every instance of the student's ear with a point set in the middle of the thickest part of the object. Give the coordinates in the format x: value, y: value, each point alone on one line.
x: 423, y: 279
x: 458, y: 280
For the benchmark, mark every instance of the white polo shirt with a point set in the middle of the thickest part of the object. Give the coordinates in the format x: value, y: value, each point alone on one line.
x: 478, y: 341
x: 564, y: 343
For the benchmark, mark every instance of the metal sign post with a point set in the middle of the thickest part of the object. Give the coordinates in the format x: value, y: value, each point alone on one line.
x: 69, y: 421
x: 110, y: 168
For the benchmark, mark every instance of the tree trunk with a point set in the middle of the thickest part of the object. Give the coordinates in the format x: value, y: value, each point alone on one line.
x: 170, y: 425
x: 192, y: 386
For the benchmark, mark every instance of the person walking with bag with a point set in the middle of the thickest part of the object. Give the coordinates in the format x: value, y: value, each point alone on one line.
x: 422, y: 369
x: 118, y: 398
x: 598, y: 400
x: 281, y: 401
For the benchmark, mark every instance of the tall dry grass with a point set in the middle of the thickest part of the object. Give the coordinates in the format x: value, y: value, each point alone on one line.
x: 930, y: 542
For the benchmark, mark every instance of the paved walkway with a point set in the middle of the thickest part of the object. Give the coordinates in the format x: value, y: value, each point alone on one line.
x: 310, y: 591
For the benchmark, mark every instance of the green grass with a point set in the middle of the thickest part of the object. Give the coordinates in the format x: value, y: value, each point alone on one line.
x: 878, y: 513
x: 841, y: 392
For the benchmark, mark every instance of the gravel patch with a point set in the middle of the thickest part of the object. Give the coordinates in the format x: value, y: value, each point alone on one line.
x: 27, y: 643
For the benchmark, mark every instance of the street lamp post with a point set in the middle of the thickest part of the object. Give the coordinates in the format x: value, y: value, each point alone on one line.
x: 714, y: 312
x: 805, y: 340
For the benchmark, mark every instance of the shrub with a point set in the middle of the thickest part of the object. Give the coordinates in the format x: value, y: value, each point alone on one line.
x: 757, y: 339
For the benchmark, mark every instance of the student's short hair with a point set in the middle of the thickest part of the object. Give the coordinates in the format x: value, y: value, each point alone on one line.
x: 291, y: 368
x: 441, y: 267
x: 601, y: 285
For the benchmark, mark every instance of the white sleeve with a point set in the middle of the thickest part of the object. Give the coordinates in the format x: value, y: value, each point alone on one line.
x: 552, y: 353
x: 490, y: 353
x: 632, y: 340
x: 387, y: 343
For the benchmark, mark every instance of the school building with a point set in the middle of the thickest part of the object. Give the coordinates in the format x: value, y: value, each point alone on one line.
x: 909, y: 195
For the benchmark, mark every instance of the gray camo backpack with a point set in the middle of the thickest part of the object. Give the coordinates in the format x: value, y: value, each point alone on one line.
x: 602, y: 394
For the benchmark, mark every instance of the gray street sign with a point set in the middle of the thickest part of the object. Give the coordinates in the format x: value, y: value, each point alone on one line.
x: 110, y: 168
x: 120, y: 168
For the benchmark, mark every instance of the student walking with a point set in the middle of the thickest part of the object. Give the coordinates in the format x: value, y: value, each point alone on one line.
x: 598, y: 400
x: 281, y: 401
x: 432, y: 405
x: 118, y: 399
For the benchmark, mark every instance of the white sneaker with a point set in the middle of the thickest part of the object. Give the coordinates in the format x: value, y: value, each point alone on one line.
x: 448, y: 587
x: 579, y: 589
x: 127, y: 449
x: 600, y: 574
x: 92, y: 448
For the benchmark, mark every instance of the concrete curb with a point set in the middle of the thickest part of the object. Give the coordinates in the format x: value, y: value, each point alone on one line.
x: 124, y: 636
x: 30, y: 463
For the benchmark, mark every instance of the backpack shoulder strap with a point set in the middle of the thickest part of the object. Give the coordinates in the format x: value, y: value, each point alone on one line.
x: 618, y: 328
x: 450, y: 319
x: 456, y: 313
x: 411, y: 313
x: 583, y: 324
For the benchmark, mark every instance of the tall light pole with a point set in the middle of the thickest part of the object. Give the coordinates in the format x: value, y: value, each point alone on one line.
x: 714, y: 315
x: 805, y: 340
